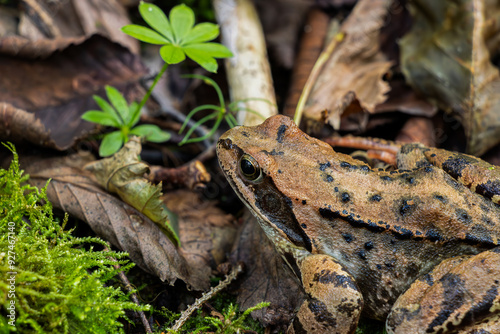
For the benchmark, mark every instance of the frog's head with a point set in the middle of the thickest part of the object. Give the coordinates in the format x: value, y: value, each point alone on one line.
x: 251, y: 159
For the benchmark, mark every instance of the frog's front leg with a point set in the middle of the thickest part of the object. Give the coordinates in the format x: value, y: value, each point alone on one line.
x: 460, y: 295
x: 334, y: 301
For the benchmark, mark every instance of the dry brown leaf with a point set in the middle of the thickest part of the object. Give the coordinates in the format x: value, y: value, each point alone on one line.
x: 265, y: 277
x: 75, y: 18
x: 74, y: 191
x: 207, y: 233
x: 353, y: 73
x: 446, y: 58
x: 48, y: 95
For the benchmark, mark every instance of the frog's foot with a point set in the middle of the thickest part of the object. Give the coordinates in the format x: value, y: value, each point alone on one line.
x: 461, y: 295
x: 334, y: 301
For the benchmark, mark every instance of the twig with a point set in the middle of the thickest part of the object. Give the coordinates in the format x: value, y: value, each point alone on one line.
x: 129, y: 288
x: 206, y: 296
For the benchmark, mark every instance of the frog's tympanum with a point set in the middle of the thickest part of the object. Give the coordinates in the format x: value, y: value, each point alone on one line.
x: 417, y: 246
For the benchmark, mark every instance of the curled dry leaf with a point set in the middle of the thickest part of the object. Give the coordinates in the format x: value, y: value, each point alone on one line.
x: 353, y: 73
x: 265, y: 277
x: 123, y: 174
x: 74, y: 191
x: 46, y: 86
x: 450, y: 63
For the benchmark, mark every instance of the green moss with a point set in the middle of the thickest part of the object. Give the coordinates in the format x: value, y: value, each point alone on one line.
x: 49, y: 282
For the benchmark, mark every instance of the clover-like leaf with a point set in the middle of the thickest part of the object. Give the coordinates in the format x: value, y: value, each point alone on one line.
x: 151, y: 133
x: 111, y: 143
x: 144, y: 34
x: 182, y: 21
x: 179, y: 36
x: 119, y: 103
x: 157, y: 19
x: 100, y: 117
x: 172, y: 54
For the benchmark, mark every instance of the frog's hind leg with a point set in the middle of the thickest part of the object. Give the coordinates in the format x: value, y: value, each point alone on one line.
x: 480, y: 176
x: 460, y: 295
x: 334, y: 301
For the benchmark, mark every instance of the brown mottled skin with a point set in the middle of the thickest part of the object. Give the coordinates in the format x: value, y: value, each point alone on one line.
x: 382, y: 230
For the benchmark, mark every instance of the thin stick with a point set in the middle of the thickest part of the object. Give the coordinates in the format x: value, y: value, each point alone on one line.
x: 206, y: 296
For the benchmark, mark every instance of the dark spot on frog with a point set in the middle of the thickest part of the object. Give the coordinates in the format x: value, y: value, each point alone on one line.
x: 441, y: 198
x: 375, y: 198
x: 477, y: 239
x: 273, y: 152
x: 324, y: 166
x: 462, y: 216
x: 378, y: 266
x: 303, y: 225
x: 345, y: 197
x: 336, y: 189
x: 321, y: 314
x: 489, y: 189
x: 428, y: 169
x: 407, y: 206
x: 281, y: 133
x: 433, y: 155
x: 386, y: 178
x: 365, y: 168
x: 328, y: 277
x: 392, y: 172
x: 454, y: 165
x: 347, y: 237
x: 453, y: 299
x: 362, y: 254
x: 481, y: 308
x: 344, y: 164
x: 369, y: 245
x: 245, y: 134
x: 402, y: 233
x: 349, y: 308
x: 279, y: 171
x: 433, y: 235
x: 304, y: 202
x: 328, y: 178
x: 410, y: 180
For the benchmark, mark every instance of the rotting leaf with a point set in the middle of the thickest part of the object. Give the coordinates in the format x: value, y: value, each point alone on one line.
x: 75, y: 191
x: 49, y: 107
x: 266, y: 278
x: 446, y: 57
x: 123, y: 174
x: 355, y: 66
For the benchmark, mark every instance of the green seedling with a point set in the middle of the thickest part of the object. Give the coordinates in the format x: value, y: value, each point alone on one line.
x: 179, y: 36
x: 124, y: 117
x: 220, y: 112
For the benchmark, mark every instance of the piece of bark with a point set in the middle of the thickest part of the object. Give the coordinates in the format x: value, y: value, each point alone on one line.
x: 248, y: 71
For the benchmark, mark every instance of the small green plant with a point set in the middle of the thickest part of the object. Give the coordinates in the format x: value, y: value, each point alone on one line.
x: 124, y: 117
x: 221, y: 112
x: 49, y: 281
x: 180, y: 37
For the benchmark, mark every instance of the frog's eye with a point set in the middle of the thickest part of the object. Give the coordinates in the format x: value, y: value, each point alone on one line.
x: 249, y: 168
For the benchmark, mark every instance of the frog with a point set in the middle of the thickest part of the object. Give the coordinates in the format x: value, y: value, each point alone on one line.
x: 416, y: 247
